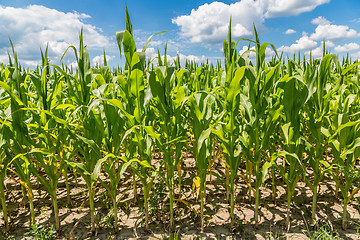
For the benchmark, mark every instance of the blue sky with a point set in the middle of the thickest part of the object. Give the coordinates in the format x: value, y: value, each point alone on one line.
x: 196, y: 29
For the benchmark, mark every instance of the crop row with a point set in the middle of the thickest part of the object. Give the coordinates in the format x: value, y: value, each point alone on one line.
x: 296, y: 118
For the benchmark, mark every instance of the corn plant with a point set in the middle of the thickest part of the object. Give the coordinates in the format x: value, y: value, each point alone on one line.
x: 88, y: 133
x: 294, y: 97
x: 260, y: 114
x: 228, y: 131
x: 106, y: 88
x: 15, y: 86
x: 137, y: 116
x: 345, y: 142
x: 47, y: 142
x: 317, y: 110
x: 169, y: 94
x: 202, y: 111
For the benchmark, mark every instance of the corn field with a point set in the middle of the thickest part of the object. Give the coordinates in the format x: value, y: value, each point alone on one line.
x: 257, y: 122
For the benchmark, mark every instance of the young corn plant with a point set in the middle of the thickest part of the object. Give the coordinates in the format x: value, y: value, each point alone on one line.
x: 345, y: 143
x: 228, y: 133
x: 228, y: 130
x: 169, y: 94
x: 202, y: 112
x: 261, y: 110
x: 14, y: 83
x: 47, y: 133
x: 317, y: 110
x: 87, y: 133
x: 44, y: 150
x: 107, y: 88
x: 294, y: 97
x: 138, y: 118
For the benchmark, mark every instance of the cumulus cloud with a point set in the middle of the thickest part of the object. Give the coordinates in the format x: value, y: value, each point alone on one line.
x: 347, y: 47
x: 316, y: 52
x: 302, y: 44
x: 99, y: 60
x: 324, y: 31
x: 35, y: 26
x: 209, y: 22
x: 320, y: 21
x: 329, y: 44
x: 333, y: 32
x: 290, y: 31
x: 284, y: 8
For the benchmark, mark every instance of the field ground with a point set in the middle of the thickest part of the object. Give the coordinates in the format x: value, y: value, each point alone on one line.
x: 75, y: 219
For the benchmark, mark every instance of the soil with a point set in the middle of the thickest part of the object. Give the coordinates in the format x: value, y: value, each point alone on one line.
x: 75, y: 218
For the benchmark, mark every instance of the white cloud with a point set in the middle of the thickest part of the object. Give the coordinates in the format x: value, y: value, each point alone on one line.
x: 333, y: 32
x: 329, y: 44
x: 302, y: 44
x: 34, y: 26
x: 290, y: 31
x: 347, y: 47
x: 209, y: 23
x: 316, y: 52
x: 283, y: 8
x: 99, y: 60
x: 320, y: 21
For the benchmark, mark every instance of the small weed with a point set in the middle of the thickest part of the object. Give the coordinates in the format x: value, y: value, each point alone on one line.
x: 176, y: 235
x: 40, y: 232
x: 125, y: 207
x: 42, y: 210
x: 106, y: 221
x: 324, y: 232
x: 239, y: 226
x: 158, y: 209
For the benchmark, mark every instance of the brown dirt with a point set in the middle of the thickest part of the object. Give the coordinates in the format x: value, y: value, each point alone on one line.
x: 76, y: 218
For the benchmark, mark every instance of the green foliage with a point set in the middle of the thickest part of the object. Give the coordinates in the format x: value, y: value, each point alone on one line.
x: 324, y: 232
x: 40, y: 232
